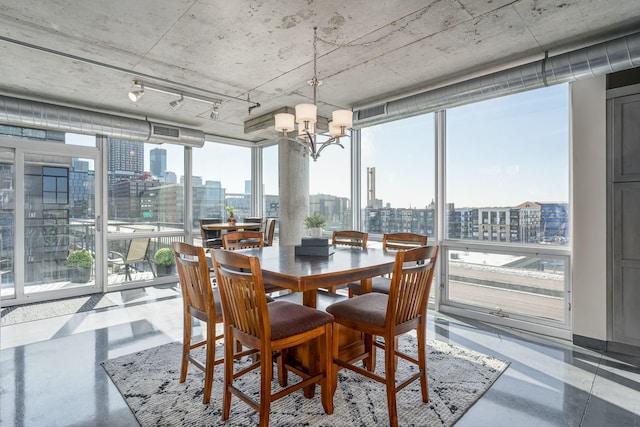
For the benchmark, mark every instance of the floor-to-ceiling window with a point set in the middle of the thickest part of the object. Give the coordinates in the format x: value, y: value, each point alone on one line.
x: 329, y: 186
x: 48, y: 210
x: 507, y: 207
x: 145, y: 208
x: 221, y: 177
x: 398, y: 177
x: 270, y: 187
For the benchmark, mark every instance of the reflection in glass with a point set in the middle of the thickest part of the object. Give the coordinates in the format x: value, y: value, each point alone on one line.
x: 59, y: 222
x: 526, y: 285
x: 7, y: 223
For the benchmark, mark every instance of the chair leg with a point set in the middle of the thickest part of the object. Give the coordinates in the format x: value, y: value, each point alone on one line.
x: 326, y: 384
x: 186, y: 343
x: 209, y: 363
x: 283, y: 374
x: 229, y: 343
x: 390, y: 375
x: 422, y: 361
x: 370, y: 360
x: 266, y: 371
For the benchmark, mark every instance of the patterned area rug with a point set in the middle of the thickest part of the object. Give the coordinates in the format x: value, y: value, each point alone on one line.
x: 45, y: 310
x: 149, y: 382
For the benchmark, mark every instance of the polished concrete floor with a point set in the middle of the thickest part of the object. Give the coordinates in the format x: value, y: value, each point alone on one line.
x: 50, y: 373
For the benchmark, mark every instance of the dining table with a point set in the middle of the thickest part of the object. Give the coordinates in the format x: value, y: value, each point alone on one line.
x: 302, y: 273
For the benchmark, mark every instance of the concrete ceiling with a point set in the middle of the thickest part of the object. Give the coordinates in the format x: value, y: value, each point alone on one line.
x: 87, y: 54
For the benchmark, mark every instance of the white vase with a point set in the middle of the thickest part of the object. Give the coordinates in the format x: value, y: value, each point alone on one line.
x: 315, y: 232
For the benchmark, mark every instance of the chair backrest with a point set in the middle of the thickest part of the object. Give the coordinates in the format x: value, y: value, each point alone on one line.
x: 410, y: 284
x: 403, y: 241
x: 253, y: 219
x: 242, y: 240
x: 350, y: 238
x: 209, y: 236
x: 242, y: 293
x: 269, y: 230
x: 137, y: 249
x: 195, y: 282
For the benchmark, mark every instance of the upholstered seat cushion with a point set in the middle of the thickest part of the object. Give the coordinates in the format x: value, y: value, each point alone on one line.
x: 378, y: 284
x: 289, y: 319
x: 369, y: 308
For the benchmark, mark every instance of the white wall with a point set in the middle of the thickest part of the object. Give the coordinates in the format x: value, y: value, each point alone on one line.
x: 589, y: 206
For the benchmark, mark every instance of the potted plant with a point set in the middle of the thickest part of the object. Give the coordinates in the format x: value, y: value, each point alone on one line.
x: 80, y: 262
x: 231, y: 219
x: 164, y: 261
x: 314, y: 224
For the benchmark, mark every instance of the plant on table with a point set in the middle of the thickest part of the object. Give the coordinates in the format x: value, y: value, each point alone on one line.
x: 231, y: 211
x: 314, y: 224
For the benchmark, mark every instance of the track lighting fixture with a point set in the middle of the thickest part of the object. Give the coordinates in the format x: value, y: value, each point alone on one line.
x: 135, y: 95
x: 177, y: 103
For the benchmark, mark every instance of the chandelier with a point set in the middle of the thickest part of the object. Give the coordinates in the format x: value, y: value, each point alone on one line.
x: 306, y: 118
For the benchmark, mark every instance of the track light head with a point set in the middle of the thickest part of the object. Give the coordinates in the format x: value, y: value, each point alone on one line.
x: 215, y: 112
x: 135, y: 95
x: 177, y: 103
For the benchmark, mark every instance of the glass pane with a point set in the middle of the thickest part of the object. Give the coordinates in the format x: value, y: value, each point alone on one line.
x: 532, y: 286
x: 49, y: 183
x: 271, y: 203
x: 221, y: 177
x: 508, y: 169
x: 7, y: 223
x: 398, y: 177
x: 142, y: 192
x: 140, y: 259
x: 329, y: 186
x: 59, y: 222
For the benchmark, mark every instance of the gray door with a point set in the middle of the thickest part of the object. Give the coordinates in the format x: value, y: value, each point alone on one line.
x: 625, y: 233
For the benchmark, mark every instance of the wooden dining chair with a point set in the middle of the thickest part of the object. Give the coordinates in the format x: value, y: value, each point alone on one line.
x: 253, y: 219
x: 389, y: 316
x: 390, y: 242
x: 210, y: 238
x: 356, y: 239
x: 242, y: 240
x: 271, y: 328
x: 246, y: 240
x: 269, y: 230
x: 198, y: 301
x: 201, y: 301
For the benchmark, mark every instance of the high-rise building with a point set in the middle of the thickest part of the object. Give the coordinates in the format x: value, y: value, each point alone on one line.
x: 158, y: 161
x: 126, y: 156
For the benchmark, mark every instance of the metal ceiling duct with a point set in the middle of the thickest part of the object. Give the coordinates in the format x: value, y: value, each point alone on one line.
x: 597, y: 60
x: 41, y: 115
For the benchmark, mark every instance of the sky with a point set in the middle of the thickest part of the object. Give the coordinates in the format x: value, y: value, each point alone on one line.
x: 500, y: 153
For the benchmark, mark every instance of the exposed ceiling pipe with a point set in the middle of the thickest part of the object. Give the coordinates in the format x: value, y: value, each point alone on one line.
x: 597, y: 60
x: 41, y: 115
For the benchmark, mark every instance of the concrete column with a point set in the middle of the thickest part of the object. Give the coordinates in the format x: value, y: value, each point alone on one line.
x: 293, y: 184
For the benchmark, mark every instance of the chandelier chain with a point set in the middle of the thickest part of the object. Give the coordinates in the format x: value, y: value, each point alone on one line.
x: 381, y: 38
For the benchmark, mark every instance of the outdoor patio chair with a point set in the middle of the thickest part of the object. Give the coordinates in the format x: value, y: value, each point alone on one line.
x: 137, y: 253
